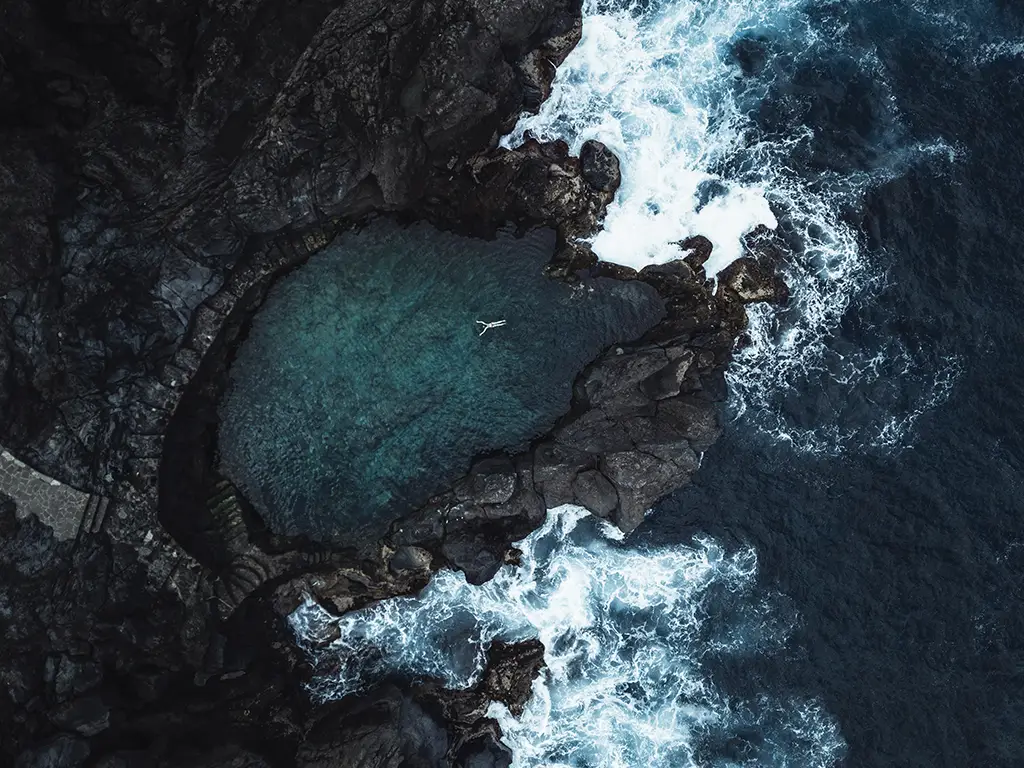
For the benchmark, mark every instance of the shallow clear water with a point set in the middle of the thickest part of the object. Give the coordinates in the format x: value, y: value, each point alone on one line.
x: 872, y: 465
x: 365, y: 386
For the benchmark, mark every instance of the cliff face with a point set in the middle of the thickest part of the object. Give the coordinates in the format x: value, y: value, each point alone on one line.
x: 160, y: 165
x: 156, y: 157
x: 148, y: 147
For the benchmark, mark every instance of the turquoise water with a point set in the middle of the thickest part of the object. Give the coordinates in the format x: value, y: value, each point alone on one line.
x: 364, y: 386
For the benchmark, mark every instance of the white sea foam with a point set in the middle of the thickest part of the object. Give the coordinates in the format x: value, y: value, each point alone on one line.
x: 657, y: 82
x: 653, y: 84
x: 1004, y: 49
x: 631, y: 638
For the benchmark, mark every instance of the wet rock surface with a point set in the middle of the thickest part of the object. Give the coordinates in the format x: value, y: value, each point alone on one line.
x: 426, y: 725
x: 161, y: 165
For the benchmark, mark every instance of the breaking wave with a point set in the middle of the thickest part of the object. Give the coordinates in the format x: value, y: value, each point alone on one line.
x: 635, y: 641
x: 678, y: 90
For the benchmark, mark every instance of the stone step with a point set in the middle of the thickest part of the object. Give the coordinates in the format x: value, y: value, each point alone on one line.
x: 241, y: 578
x: 89, y: 515
x: 95, y: 514
x: 226, y: 513
x: 101, y: 515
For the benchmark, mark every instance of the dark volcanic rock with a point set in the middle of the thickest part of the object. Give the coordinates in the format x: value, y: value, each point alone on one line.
x: 594, y: 491
x: 749, y: 282
x: 426, y: 726
x: 755, y: 277
x: 491, y: 481
x: 60, y: 752
x: 161, y: 163
x: 511, y: 670
x: 146, y: 148
x: 387, y: 727
x: 599, y: 166
x: 697, y: 250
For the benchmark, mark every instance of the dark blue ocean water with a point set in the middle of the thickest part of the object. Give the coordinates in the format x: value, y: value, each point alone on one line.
x: 843, y: 582
x: 906, y: 566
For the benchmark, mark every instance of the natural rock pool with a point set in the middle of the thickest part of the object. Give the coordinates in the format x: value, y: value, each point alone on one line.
x: 365, y: 387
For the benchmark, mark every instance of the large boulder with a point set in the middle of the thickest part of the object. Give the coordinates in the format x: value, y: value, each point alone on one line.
x: 748, y: 282
x: 599, y: 166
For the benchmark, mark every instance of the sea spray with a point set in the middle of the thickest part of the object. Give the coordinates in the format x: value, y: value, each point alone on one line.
x: 668, y: 87
x: 631, y: 639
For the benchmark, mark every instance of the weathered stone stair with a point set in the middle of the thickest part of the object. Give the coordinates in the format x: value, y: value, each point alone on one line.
x: 95, y: 514
x: 248, y: 567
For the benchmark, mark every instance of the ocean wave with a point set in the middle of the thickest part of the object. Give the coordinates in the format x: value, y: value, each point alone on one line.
x: 632, y: 638
x: 661, y: 84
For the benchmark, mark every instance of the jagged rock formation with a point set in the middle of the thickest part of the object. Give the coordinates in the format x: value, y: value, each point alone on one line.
x: 160, y: 164
x: 641, y: 415
x: 148, y: 148
x: 428, y: 725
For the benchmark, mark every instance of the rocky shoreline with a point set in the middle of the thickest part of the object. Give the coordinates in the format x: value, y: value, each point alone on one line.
x: 162, y: 167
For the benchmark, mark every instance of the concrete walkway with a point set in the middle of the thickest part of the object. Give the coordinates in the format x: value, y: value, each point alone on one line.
x: 63, y: 508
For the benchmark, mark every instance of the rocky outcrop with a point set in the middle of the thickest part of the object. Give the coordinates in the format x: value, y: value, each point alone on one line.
x: 161, y: 164
x: 148, y: 149
x: 427, y: 725
x: 537, y: 183
x: 755, y: 276
x: 641, y: 416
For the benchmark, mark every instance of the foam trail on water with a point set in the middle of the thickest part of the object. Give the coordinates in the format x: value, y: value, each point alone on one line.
x: 649, y: 84
x: 660, y: 83
x: 631, y: 641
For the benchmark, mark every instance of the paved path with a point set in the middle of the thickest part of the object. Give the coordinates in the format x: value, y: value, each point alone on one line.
x: 63, y: 508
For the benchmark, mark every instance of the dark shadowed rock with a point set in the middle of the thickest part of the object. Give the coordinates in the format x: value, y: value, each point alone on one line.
x: 511, y: 670
x: 669, y: 381
x: 614, y: 271
x: 483, y: 753
x: 425, y: 726
x: 614, y: 383
x: 641, y: 479
x: 697, y: 250
x: 226, y: 756
x: 410, y: 559
x: 554, y: 468
x: 87, y: 715
x: 594, y: 491
x: 62, y: 751
x: 475, y: 554
x: 600, y: 167
x: 385, y: 728
x: 691, y: 418
x: 749, y: 282
x: 491, y: 481
x: 672, y: 277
